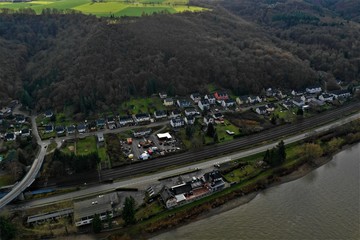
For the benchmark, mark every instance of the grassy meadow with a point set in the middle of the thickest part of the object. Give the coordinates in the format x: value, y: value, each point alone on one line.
x: 108, y: 8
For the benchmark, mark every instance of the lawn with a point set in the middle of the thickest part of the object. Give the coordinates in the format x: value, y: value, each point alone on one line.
x: 144, y: 105
x: 117, y: 8
x: 102, y: 154
x: 221, y: 131
x: 86, y: 145
x: 149, y: 210
x: 241, y: 174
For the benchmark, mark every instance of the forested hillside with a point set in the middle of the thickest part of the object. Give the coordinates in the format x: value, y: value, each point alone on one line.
x: 74, y: 60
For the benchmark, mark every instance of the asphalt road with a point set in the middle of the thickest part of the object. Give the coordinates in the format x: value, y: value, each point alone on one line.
x: 205, y: 153
x: 171, y: 161
x: 144, y: 181
x: 31, y: 174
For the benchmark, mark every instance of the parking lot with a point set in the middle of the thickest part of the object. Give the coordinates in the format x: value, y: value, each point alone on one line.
x: 144, y: 148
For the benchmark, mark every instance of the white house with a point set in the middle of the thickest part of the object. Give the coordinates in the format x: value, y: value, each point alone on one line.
x: 270, y: 107
x: 162, y: 95
x: 204, y: 104
x: 341, y: 93
x: 182, y: 103
x: 124, y: 120
x: 326, y: 97
x: 261, y: 110
x: 242, y: 100
x: 298, y: 102
x: 189, y: 120
x: 254, y: 99
x: 210, y: 98
x: 159, y: 114
x: 228, y: 103
x: 177, y: 122
x: 168, y: 102
x: 142, y: 117
x: 208, y: 119
x: 196, y: 97
x: 190, y: 111
x: 313, y: 89
x: 175, y: 113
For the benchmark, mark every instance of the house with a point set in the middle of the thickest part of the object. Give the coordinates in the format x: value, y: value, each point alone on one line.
x: 175, y: 113
x: 48, y: 114
x: 10, y: 137
x: 211, y: 99
x: 25, y: 132
x: 242, y: 100
x: 168, y: 102
x: 162, y: 95
x: 164, y: 136
x: 261, y: 110
x: 190, y: 112
x: 326, y: 97
x: 297, y: 93
x: 5, y: 111
x: 313, y: 89
x: 142, y: 118
x: 217, y: 115
x: 215, y: 180
x: 341, y: 93
x: 228, y: 103
x: 138, y: 133
x: 254, y: 99
x: 220, y: 96
x: 270, y: 107
x: 20, y: 119
x: 288, y: 104
x: 60, y: 130
x: 100, y: 138
x: 111, y: 122
x: 196, y: 97
x: 189, y: 120
x: 159, y: 114
x: 49, y: 128
x: 1, y: 119
x: 100, y: 123
x: 168, y: 198
x: 70, y: 129
x: 177, y: 122
x: 182, y: 103
x: 126, y: 120
x: 204, y: 104
x: 208, y: 119
x: 298, y: 102
x: 316, y: 102
x: 81, y: 128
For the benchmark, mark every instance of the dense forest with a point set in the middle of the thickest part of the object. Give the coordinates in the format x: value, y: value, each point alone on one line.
x: 54, y: 60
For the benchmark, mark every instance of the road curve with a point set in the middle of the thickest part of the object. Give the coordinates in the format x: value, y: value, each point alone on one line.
x: 31, y: 174
x: 144, y: 181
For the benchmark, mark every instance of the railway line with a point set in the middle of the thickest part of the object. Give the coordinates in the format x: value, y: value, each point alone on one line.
x: 207, y: 152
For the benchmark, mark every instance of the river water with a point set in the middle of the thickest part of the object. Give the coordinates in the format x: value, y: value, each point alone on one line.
x: 325, y: 204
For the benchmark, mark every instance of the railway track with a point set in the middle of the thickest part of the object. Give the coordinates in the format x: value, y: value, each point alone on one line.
x: 207, y: 152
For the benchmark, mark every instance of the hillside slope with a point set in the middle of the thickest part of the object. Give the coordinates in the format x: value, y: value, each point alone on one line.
x: 247, y: 45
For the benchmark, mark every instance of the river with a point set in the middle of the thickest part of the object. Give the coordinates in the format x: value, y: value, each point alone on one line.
x: 325, y: 204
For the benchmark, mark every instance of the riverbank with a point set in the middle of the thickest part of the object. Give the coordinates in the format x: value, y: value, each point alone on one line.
x: 330, y: 143
x: 300, y: 172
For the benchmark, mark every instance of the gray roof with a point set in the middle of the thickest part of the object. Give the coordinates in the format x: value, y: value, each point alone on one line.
x: 97, y: 205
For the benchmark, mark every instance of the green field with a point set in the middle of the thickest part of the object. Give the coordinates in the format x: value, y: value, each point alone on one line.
x: 108, y: 8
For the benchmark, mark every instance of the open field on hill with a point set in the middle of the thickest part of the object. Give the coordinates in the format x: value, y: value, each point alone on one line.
x: 108, y: 8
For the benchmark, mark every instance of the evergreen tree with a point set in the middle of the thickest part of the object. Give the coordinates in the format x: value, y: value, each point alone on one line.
x: 96, y: 223
x: 128, y: 213
x: 281, y: 151
x: 210, y: 130
x: 7, y: 229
